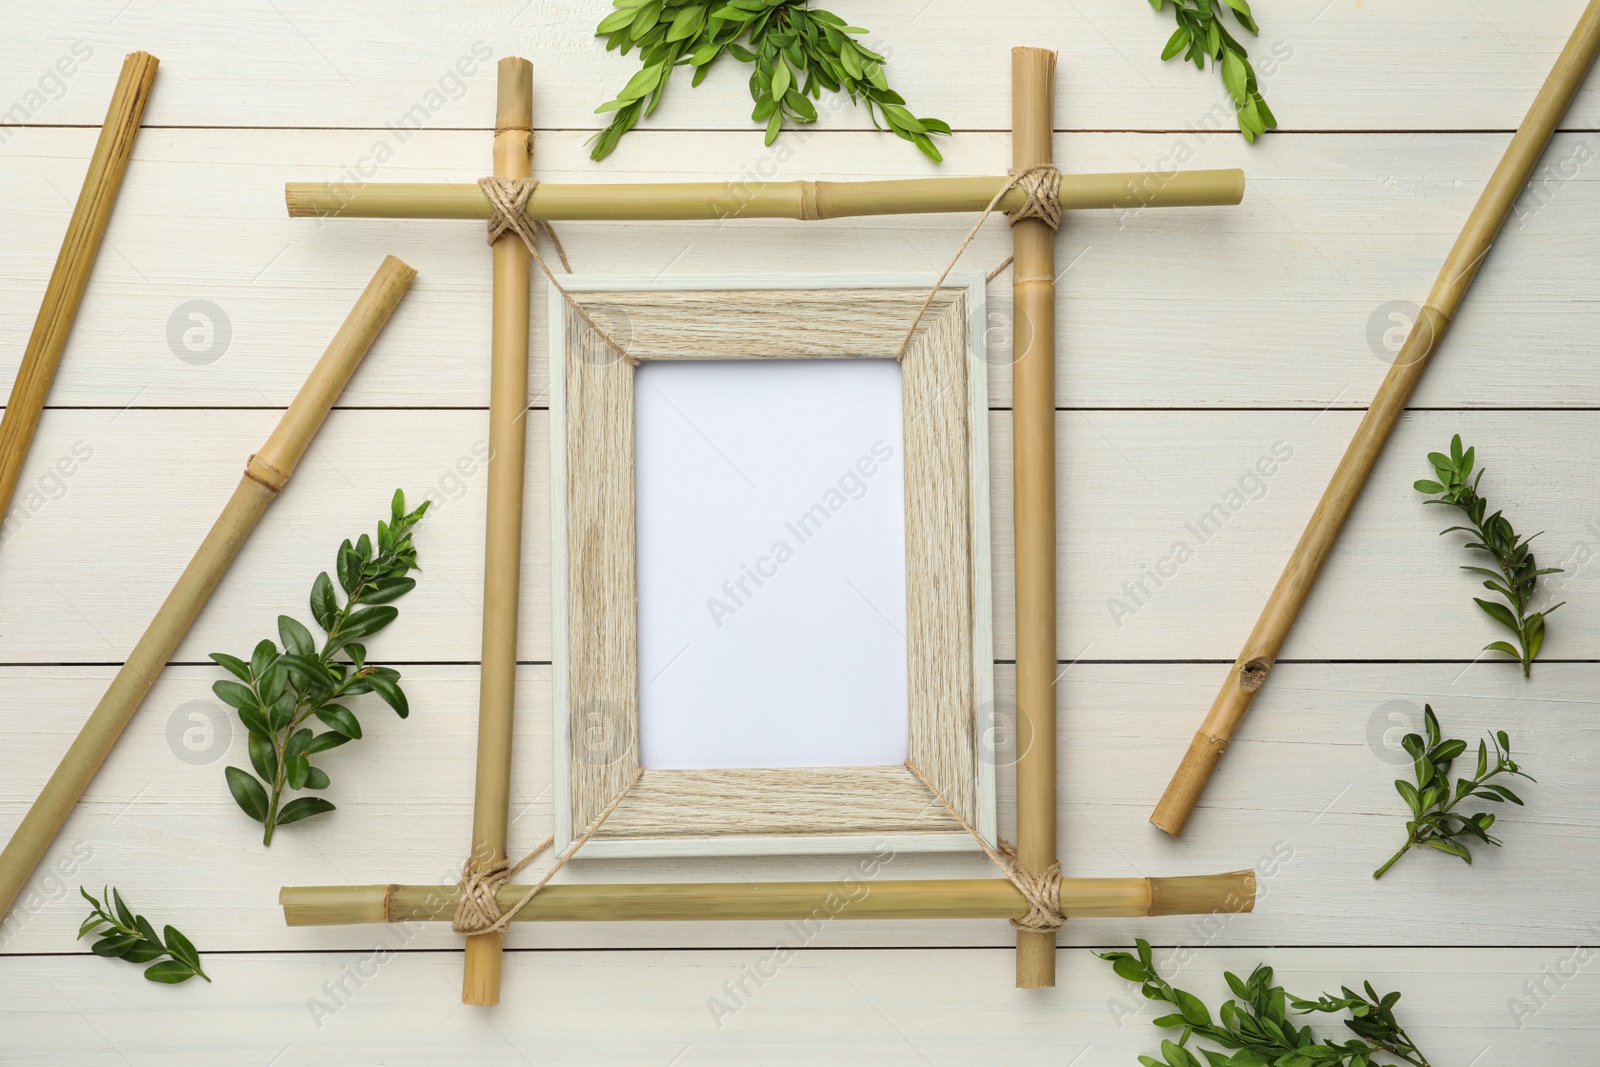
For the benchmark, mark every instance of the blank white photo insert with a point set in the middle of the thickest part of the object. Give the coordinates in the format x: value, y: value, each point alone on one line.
x: 770, y: 518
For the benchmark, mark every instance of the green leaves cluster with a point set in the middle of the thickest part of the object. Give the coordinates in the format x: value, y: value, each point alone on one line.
x: 1202, y: 35
x: 1434, y: 821
x: 796, y: 52
x: 127, y: 936
x: 1255, y: 1029
x: 1518, y: 572
x: 279, y: 692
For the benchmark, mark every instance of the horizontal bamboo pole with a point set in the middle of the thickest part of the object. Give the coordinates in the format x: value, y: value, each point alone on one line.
x: 79, y: 248
x: 265, y: 473
x: 863, y: 898
x: 1260, y: 652
x: 759, y: 200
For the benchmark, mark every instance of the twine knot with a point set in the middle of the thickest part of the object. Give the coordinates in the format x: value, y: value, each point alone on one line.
x: 1042, y: 890
x: 478, y: 907
x: 1041, y: 184
x: 508, y: 203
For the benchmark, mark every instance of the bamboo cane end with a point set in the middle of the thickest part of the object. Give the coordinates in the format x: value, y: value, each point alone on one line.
x: 1183, y: 792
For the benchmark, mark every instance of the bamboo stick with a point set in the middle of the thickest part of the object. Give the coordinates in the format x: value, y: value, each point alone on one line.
x: 863, y: 898
x: 1250, y: 670
x: 1033, y: 85
x: 74, y: 264
x: 502, y: 578
x: 759, y: 200
x: 265, y: 474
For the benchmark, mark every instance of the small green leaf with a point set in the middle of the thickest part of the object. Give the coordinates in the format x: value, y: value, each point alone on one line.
x: 248, y: 793
x: 233, y: 664
x: 303, y: 808
x: 233, y: 694
x: 388, y: 688
x: 114, y: 945
x: 182, y: 948
x: 340, y: 718
x: 323, y: 742
x: 169, y: 972
x: 296, y: 638
x: 324, y: 605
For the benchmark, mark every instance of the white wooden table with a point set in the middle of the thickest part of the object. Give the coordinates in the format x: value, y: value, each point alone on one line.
x: 1191, y: 344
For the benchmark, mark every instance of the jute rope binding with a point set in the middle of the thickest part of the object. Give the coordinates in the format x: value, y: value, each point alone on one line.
x: 509, y: 199
x: 1042, y: 891
x: 1042, y: 186
x: 478, y: 910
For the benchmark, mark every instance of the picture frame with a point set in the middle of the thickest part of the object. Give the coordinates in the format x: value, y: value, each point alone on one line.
x: 949, y: 644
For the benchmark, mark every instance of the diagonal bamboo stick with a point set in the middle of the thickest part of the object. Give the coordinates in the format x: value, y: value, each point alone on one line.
x: 1250, y: 670
x: 502, y: 564
x: 74, y: 264
x: 852, y: 898
x: 265, y: 474
x: 760, y: 200
x: 1033, y: 85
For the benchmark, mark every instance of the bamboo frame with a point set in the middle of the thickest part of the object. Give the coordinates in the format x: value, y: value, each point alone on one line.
x: 803, y: 200
x: 502, y: 563
x: 1033, y: 78
x: 266, y: 473
x: 927, y: 898
x: 949, y: 651
x: 1483, y: 225
x: 1033, y: 88
x: 59, y: 308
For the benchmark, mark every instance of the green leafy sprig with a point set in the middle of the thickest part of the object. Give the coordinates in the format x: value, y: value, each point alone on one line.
x: 1517, y: 576
x: 1202, y: 35
x: 1434, y: 821
x: 1256, y: 1029
x: 796, y: 52
x: 277, y: 693
x: 124, y: 935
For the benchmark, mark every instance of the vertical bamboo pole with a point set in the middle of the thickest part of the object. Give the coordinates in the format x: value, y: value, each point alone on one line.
x: 265, y: 474
x: 1250, y: 670
x: 74, y: 263
x: 1033, y: 72
x: 502, y: 562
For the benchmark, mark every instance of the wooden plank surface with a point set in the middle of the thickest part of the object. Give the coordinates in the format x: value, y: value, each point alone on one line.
x: 1286, y: 300
x: 1200, y: 349
x: 847, y: 1007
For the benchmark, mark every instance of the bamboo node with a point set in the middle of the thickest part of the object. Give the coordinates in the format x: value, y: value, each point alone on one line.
x: 810, y: 203
x: 260, y: 471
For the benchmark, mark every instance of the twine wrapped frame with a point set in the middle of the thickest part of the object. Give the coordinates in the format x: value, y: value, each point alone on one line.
x: 593, y: 557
